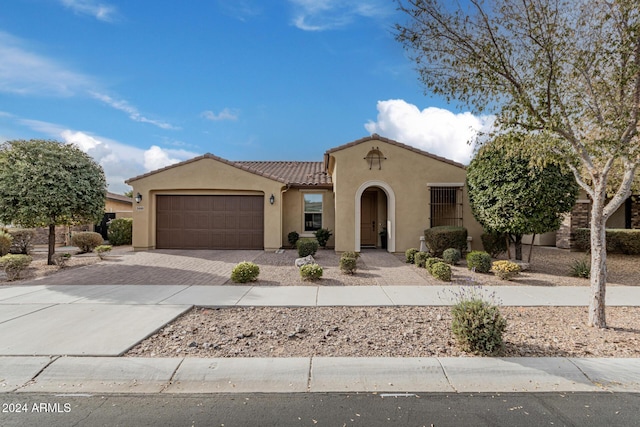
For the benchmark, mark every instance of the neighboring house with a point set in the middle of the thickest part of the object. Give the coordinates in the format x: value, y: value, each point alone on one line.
x: 360, y: 190
x: 116, y: 206
x: 627, y: 216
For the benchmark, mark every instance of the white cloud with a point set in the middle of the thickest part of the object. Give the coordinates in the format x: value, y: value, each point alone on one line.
x: 100, y: 11
x: 434, y: 130
x: 156, y: 158
x: 225, y: 114
x: 320, y: 15
x: 26, y: 73
x: 134, y: 114
x: 119, y: 161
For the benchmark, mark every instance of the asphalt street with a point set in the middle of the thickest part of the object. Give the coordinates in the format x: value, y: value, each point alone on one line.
x: 323, y: 409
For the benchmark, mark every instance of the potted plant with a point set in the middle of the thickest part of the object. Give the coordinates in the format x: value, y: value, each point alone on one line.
x: 383, y: 238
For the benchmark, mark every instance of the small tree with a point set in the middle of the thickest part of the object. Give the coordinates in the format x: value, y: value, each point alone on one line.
x: 567, y: 69
x: 509, y: 194
x: 46, y: 183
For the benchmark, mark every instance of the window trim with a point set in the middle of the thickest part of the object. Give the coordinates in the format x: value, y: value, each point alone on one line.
x: 305, y: 233
x: 459, y: 204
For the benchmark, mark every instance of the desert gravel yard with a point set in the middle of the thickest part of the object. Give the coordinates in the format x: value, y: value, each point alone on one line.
x: 385, y: 331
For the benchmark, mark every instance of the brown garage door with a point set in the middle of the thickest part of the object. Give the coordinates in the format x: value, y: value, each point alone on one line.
x: 210, y: 222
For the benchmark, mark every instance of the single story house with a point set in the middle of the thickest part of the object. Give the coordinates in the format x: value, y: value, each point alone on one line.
x: 373, y: 192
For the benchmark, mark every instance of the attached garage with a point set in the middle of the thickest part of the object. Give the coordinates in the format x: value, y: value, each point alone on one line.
x: 210, y: 222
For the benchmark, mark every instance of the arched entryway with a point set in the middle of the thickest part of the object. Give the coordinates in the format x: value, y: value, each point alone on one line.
x: 369, y: 197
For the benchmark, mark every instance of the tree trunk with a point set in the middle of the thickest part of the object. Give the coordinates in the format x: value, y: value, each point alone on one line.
x: 533, y: 238
x: 52, y: 244
x: 597, y: 301
x: 518, y: 245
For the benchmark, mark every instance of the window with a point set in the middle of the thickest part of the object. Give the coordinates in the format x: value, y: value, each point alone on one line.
x: 446, y: 205
x: 312, y: 212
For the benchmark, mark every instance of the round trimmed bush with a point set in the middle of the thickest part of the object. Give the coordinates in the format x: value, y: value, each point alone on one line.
x: 14, y: 264
x: 103, y: 250
x: 311, y: 272
x: 451, y: 256
x: 430, y: 263
x: 409, y: 255
x: 478, y: 326
x: 5, y: 243
x: 120, y: 231
x: 479, y: 261
x: 245, y: 272
x: 441, y: 271
x: 420, y: 258
x: 348, y: 264
x: 505, y: 269
x: 307, y: 247
x: 22, y: 240
x: 293, y: 238
x: 87, y: 241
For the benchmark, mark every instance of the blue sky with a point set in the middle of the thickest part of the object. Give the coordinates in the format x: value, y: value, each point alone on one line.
x: 143, y: 84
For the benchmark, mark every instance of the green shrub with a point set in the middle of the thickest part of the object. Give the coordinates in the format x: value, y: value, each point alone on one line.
x: 14, y: 264
x: 86, y: 241
x: 348, y: 264
x: 580, y: 268
x: 293, y: 238
x: 120, y: 231
x: 440, y: 238
x: 351, y: 254
x: 478, y: 326
x: 409, y: 255
x: 625, y: 241
x: 479, y: 261
x: 494, y: 243
x: 61, y: 259
x: 323, y: 236
x: 103, y: 250
x: 431, y: 261
x: 505, y: 269
x: 5, y: 243
x: 307, y: 247
x: 420, y: 258
x: 451, y: 256
x: 441, y: 271
x: 311, y: 272
x: 245, y: 272
x: 22, y: 240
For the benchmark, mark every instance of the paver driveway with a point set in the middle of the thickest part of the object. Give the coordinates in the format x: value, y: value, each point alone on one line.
x: 158, y: 267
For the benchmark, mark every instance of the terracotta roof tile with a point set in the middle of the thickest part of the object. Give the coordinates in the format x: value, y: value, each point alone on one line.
x: 292, y: 172
x: 119, y: 197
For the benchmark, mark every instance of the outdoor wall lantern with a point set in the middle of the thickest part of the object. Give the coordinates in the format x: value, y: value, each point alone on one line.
x: 138, y: 198
x: 272, y: 199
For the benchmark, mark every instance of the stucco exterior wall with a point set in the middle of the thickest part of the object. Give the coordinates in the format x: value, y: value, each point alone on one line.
x: 121, y: 209
x: 205, y: 176
x: 403, y: 176
x: 293, y: 214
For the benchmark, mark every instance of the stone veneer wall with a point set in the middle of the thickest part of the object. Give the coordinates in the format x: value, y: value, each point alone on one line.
x: 62, y: 234
x: 578, y: 218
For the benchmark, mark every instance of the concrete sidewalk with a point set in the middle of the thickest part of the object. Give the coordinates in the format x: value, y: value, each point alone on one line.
x: 100, y: 322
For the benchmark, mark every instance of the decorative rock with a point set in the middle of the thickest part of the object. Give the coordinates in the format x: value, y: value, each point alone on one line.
x: 304, y: 261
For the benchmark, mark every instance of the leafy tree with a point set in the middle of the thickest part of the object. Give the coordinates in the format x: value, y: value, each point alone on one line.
x: 46, y: 183
x: 566, y: 69
x: 128, y: 193
x: 509, y: 194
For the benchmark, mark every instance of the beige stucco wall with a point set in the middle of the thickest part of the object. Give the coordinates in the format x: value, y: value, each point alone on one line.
x: 205, y: 176
x: 404, y: 177
x: 121, y: 209
x: 293, y: 204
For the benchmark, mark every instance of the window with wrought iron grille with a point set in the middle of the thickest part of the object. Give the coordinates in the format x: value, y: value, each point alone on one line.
x: 445, y: 205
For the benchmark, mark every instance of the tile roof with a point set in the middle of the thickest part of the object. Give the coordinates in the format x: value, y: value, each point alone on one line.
x: 291, y: 173
x: 119, y: 197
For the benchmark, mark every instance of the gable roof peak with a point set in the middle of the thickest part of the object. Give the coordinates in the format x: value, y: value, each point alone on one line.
x: 376, y: 137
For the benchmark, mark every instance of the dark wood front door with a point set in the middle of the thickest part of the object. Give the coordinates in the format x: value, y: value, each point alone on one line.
x: 368, y: 218
x: 210, y: 222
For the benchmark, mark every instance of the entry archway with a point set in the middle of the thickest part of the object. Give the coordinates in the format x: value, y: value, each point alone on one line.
x: 391, y: 213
